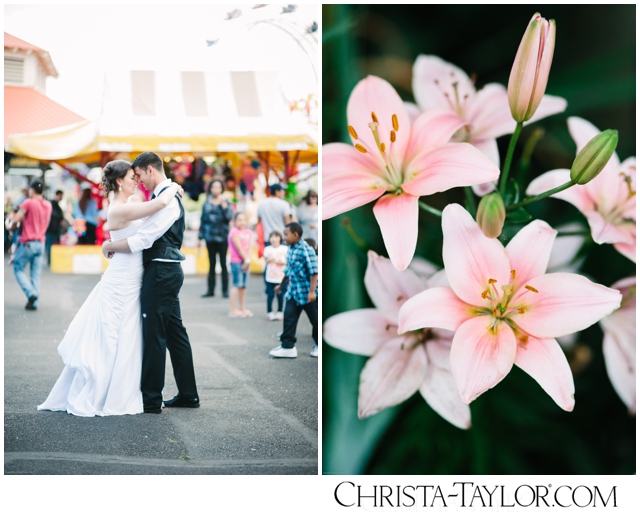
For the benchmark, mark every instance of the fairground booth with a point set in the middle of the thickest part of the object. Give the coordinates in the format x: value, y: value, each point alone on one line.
x: 199, y: 122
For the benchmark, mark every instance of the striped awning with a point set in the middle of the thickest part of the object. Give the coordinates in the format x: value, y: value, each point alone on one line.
x: 185, y: 111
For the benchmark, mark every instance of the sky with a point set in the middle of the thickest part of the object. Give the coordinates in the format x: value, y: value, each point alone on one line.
x: 86, y: 40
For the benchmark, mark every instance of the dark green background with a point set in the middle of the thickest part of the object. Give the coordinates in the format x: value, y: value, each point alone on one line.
x: 517, y: 428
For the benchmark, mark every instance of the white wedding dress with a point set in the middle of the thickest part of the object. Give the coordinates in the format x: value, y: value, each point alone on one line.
x: 102, y: 349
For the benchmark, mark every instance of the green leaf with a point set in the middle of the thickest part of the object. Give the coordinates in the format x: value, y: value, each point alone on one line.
x: 519, y: 215
x: 512, y: 194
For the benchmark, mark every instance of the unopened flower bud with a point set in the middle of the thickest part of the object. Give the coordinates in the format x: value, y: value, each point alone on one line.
x: 530, y: 71
x: 491, y: 214
x: 595, y: 155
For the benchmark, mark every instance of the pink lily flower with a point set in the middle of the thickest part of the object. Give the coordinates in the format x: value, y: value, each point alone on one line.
x: 395, y: 162
x: 504, y: 309
x: 619, y: 345
x: 438, y: 84
x: 399, y: 365
x: 608, y: 201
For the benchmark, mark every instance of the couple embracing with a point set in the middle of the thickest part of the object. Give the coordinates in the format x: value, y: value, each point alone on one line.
x: 115, y: 348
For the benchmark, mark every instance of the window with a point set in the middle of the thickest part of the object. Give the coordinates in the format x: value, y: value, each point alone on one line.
x: 13, y: 70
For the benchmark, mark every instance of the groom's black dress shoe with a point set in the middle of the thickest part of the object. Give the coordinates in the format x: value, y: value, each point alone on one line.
x: 152, y: 410
x: 179, y: 401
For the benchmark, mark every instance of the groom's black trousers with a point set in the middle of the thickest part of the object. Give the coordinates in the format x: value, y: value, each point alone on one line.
x: 162, y: 330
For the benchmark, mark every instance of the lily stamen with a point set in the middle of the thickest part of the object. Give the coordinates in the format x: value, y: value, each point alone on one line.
x: 458, y: 104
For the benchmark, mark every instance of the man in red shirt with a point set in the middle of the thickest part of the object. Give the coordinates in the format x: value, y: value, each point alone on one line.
x: 35, y: 213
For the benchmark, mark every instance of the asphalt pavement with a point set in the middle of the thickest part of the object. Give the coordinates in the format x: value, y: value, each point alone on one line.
x: 258, y: 415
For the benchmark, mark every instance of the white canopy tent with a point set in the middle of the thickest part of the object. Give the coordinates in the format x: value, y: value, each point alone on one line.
x: 172, y: 112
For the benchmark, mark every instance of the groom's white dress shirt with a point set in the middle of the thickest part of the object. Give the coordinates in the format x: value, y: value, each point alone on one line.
x: 155, y: 225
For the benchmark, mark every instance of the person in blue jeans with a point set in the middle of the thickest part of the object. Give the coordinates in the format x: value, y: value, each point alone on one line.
x: 301, y: 273
x: 34, y: 213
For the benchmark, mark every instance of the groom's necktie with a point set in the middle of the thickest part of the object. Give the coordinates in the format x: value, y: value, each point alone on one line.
x: 153, y: 196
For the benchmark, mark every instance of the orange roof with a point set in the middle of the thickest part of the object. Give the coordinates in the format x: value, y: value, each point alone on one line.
x: 27, y: 110
x: 16, y: 43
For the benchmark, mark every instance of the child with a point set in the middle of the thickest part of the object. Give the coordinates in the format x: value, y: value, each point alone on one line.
x: 275, y: 256
x: 302, y: 295
x: 240, y: 250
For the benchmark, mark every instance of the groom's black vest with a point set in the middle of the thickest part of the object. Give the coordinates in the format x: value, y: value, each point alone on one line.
x: 168, y: 246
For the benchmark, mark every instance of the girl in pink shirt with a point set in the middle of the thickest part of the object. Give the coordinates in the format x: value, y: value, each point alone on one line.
x: 240, y: 250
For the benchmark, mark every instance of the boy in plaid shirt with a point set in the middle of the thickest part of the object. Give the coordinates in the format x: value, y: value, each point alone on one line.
x: 302, y: 295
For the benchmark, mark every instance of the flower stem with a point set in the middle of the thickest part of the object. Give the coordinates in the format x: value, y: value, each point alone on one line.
x: 536, y: 135
x: 430, y: 209
x: 346, y: 223
x: 541, y: 196
x: 509, y: 158
x: 471, y: 201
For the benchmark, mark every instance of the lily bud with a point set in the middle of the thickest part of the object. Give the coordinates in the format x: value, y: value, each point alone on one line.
x: 491, y: 214
x: 530, y: 71
x: 594, y: 157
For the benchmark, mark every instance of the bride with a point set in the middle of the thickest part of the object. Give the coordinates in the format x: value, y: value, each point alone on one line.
x: 102, y: 349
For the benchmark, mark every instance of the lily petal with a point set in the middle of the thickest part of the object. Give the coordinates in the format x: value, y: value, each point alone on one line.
x: 439, y: 348
x: 431, y: 129
x: 544, y: 360
x: 494, y: 121
x: 437, y: 307
x: 446, y: 167
x: 489, y: 115
x: 397, y: 216
x: 433, y: 77
x: 621, y: 369
x: 529, y: 251
x: 480, y: 356
x: 350, y: 180
x: 576, y: 195
x: 565, y: 250
x: 549, y: 105
x: 340, y: 159
x: 342, y: 194
x: 423, y: 268
x: 441, y: 393
x: 413, y: 111
x: 389, y: 288
x: 488, y: 147
x: 392, y: 375
x: 438, y: 279
x: 361, y: 331
x: 628, y: 250
x: 484, y: 189
x: 375, y: 95
x: 565, y: 303
x: 470, y: 258
x: 604, y: 232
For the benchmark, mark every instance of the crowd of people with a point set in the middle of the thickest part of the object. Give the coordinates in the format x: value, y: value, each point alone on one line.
x: 284, y: 239
x: 138, y: 294
x: 291, y: 268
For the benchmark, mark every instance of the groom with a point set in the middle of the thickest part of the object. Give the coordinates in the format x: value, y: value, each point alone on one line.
x: 160, y: 238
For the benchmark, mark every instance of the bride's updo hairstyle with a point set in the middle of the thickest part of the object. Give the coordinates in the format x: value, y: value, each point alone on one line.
x: 112, y: 171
